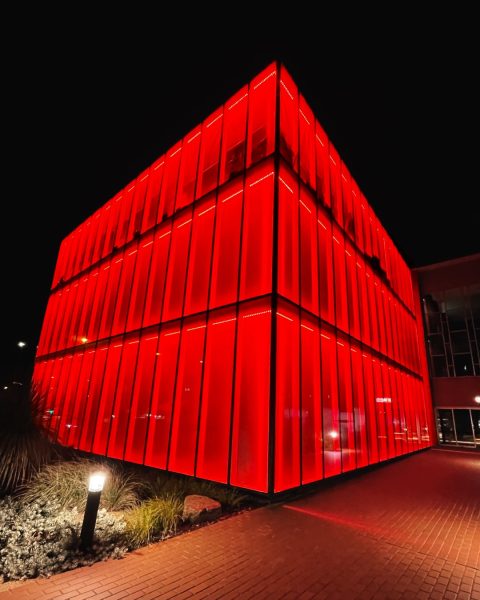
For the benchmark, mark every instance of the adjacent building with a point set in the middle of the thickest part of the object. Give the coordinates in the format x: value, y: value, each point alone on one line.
x: 237, y: 312
x: 451, y: 301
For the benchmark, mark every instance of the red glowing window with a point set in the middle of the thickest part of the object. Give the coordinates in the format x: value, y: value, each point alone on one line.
x: 123, y: 398
x: 78, y: 419
x: 335, y: 185
x: 288, y: 241
x: 208, y: 167
x: 177, y: 266
x: 226, y: 250
x: 139, y: 283
x: 340, y: 277
x: 152, y: 198
x: 360, y: 417
x: 307, y: 143
x: 234, y: 135
x: 169, y: 184
x: 198, y: 274
x: 187, y: 397
x: 311, y: 405
x: 139, y: 416
x: 322, y: 162
x: 249, y: 463
x: 325, y: 260
x: 257, y: 239
x: 345, y: 404
x: 261, y: 115
x: 124, y: 290
x: 92, y: 388
x: 287, y: 413
x: 288, y: 119
x: 107, y: 398
x: 215, y: 414
x: 188, y: 168
x: 157, y: 275
x: 332, y: 454
x: 139, y: 193
x: 308, y: 252
x: 162, y: 397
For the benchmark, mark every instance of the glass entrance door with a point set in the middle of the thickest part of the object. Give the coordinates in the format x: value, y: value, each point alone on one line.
x: 476, y: 425
x: 463, y: 426
x: 446, y: 430
x: 459, y: 426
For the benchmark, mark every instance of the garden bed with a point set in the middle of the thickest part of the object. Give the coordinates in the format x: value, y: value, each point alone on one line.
x: 40, y: 525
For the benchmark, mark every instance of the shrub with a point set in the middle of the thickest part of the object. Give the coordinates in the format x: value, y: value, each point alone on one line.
x: 66, y: 484
x: 40, y: 539
x: 164, y: 484
x: 170, y: 484
x: 24, y: 444
x: 153, y: 519
x: 226, y: 496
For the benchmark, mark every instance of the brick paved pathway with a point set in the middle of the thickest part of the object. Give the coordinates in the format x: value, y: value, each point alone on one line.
x: 410, y: 529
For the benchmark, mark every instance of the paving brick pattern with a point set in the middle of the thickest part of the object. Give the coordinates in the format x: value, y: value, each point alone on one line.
x: 410, y: 529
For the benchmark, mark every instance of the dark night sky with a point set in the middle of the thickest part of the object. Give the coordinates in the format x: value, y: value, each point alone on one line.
x: 87, y: 112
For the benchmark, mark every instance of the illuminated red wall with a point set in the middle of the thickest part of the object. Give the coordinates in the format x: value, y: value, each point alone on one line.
x: 237, y: 312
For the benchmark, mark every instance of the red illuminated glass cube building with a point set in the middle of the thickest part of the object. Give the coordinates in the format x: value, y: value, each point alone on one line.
x: 237, y: 312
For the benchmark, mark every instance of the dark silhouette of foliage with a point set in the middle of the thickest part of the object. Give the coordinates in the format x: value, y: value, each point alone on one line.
x: 24, y: 440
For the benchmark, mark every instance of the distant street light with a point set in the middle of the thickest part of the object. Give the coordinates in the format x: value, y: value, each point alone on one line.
x: 95, y: 487
x: 21, y: 344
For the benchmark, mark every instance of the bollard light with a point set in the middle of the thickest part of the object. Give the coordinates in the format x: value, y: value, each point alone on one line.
x: 96, y: 482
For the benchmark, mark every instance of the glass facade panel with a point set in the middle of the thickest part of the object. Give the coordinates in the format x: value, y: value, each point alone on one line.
x: 226, y: 248
x: 215, y: 415
x: 187, y: 397
x: 249, y: 458
x: 257, y: 236
x: 198, y: 278
x: 287, y: 412
x: 310, y: 400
